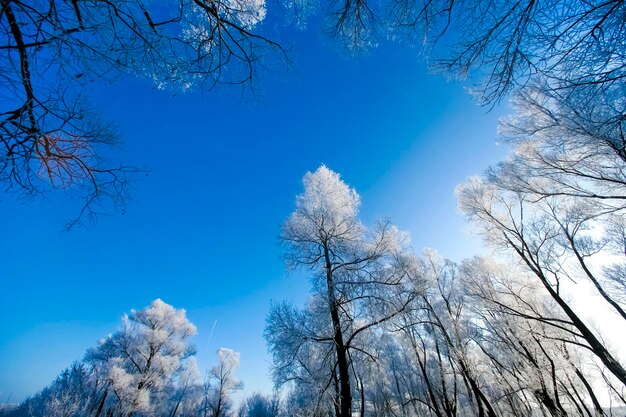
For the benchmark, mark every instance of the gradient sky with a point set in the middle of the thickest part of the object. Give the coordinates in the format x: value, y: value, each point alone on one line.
x: 201, y: 231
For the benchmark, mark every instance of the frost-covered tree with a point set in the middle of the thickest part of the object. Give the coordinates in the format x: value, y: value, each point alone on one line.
x: 426, y: 336
x: 49, y: 135
x: 556, y: 236
x: 556, y: 204
x: 139, y: 363
x: 568, y: 165
x: 303, y: 355
x: 505, y: 44
x: 530, y: 348
x: 69, y: 395
x: 436, y: 337
x: 145, y: 369
x: 258, y: 405
x: 357, y: 274
x: 220, y: 384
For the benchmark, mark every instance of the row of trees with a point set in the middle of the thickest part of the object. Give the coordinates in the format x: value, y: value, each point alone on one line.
x: 478, y: 337
x: 146, y: 368
x: 390, y: 333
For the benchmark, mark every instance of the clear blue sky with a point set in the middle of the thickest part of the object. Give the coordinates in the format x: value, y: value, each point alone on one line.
x: 202, y: 229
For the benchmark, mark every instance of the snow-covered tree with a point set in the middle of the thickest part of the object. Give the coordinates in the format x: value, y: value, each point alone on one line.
x: 258, y: 405
x: 357, y: 272
x: 220, y: 384
x: 556, y: 237
x: 528, y: 346
x: 145, y: 369
x: 139, y: 363
x: 69, y: 395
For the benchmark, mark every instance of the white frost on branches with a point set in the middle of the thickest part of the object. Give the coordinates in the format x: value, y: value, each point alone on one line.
x: 327, y: 208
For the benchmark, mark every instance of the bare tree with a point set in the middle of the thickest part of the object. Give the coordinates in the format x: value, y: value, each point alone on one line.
x: 49, y: 49
x: 506, y: 44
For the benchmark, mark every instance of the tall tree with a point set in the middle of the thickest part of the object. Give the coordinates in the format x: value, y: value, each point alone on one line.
x: 358, y: 272
x: 220, y: 384
x: 541, y: 234
x: 530, y: 348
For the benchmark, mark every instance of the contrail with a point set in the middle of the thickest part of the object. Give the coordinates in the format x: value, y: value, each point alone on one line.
x: 211, y: 335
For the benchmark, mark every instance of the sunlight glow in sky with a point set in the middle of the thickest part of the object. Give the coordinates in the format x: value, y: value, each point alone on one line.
x: 201, y: 231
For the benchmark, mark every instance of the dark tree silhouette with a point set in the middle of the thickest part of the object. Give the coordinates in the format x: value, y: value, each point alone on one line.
x: 50, y: 49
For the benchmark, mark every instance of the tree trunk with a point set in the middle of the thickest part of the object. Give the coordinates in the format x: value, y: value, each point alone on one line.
x: 101, y: 405
x: 595, y: 345
x: 345, y: 394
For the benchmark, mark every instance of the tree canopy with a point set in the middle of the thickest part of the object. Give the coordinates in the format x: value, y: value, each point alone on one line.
x: 53, y: 138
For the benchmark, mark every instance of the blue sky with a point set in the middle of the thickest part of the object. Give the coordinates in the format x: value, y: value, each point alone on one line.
x: 201, y: 231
